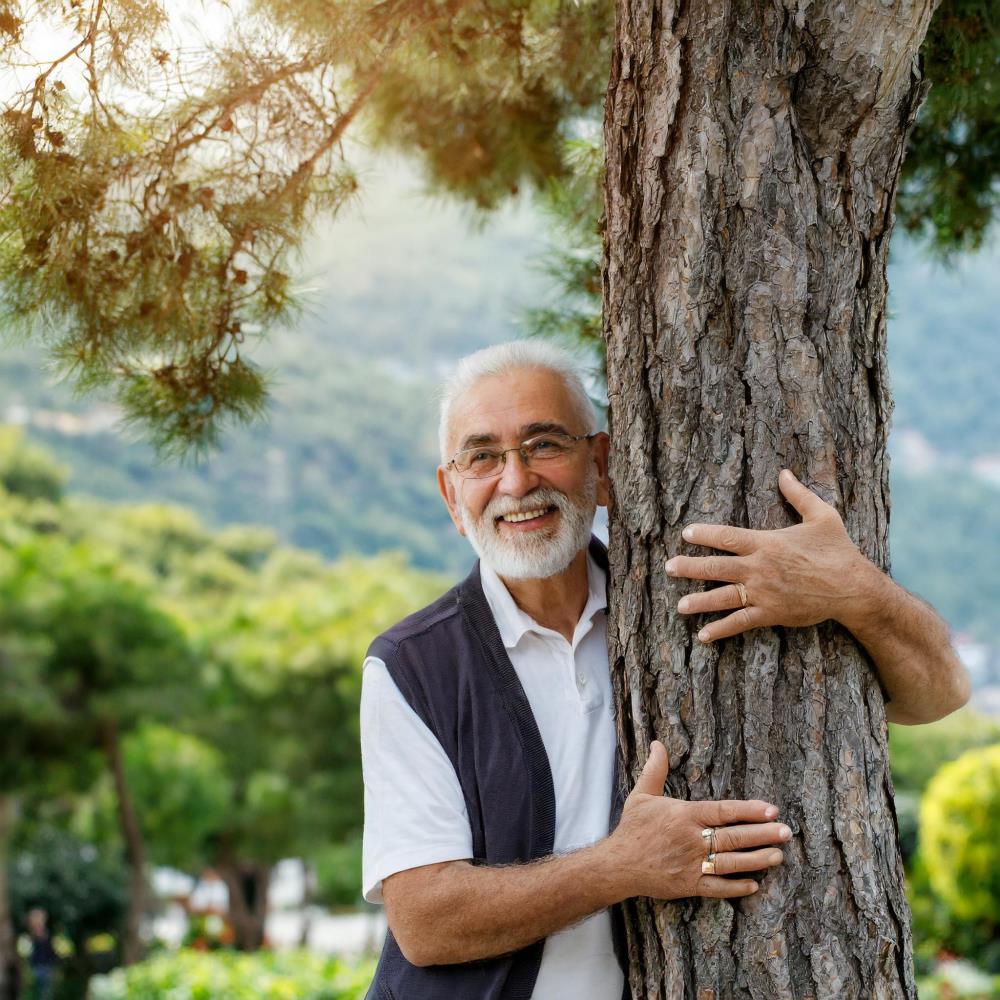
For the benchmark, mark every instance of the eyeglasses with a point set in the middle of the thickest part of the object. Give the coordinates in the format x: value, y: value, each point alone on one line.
x: 482, y: 462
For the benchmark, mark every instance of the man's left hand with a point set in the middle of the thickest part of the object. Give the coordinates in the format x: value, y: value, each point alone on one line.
x: 795, y: 576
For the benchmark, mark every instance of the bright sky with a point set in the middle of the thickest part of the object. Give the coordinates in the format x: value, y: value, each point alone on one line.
x: 192, y: 26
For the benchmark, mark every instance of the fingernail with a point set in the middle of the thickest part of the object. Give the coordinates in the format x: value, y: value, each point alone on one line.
x: 671, y: 565
x: 688, y: 533
x: 703, y: 635
x: 776, y: 858
x: 756, y: 887
x: 771, y: 812
x: 785, y: 832
x: 682, y: 604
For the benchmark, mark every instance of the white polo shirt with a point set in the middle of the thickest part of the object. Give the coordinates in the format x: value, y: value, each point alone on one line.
x: 414, y: 808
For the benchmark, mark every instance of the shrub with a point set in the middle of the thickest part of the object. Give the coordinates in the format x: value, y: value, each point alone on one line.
x: 959, y: 819
x: 191, y: 975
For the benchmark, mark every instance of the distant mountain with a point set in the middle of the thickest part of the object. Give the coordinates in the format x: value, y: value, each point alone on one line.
x: 401, y: 286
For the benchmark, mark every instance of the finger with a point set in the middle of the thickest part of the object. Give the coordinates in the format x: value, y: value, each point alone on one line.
x: 728, y: 568
x: 739, y: 621
x: 721, y: 536
x: 717, y: 599
x: 725, y: 888
x: 801, y: 497
x: 732, y: 862
x: 724, y: 812
x: 655, y: 772
x: 739, y: 838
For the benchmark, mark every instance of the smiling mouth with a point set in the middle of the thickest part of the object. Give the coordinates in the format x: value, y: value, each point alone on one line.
x: 527, y: 515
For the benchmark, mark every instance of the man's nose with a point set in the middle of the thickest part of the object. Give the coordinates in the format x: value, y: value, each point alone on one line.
x: 517, y: 478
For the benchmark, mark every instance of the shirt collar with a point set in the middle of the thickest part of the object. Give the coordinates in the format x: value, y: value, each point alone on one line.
x: 513, y: 623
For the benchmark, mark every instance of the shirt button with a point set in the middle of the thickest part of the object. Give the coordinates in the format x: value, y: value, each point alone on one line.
x: 582, y: 678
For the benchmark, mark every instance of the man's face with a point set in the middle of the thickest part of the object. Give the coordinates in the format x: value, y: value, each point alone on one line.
x: 501, y: 412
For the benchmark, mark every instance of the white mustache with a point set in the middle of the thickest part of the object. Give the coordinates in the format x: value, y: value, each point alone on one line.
x: 542, y: 497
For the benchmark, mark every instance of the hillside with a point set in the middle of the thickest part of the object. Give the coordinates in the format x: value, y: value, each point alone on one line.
x: 399, y: 287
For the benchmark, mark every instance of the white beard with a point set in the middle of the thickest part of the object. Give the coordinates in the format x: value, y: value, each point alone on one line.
x: 539, y: 554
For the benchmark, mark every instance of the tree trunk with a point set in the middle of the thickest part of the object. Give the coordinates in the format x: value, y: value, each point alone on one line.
x: 753, y: 153
x: 248, y: 884
x: 135, y: 849
x: 10, y: 979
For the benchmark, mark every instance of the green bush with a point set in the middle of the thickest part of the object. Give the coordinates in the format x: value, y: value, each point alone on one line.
x: 959, y: 819
x: 193, y: 975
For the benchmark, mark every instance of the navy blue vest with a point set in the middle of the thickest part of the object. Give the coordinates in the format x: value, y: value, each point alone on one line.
x: 450, y: 665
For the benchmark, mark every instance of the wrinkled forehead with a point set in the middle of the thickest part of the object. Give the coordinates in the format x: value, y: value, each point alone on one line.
x: 509, y: 407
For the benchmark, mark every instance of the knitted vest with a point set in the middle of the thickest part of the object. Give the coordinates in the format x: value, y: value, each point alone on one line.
x: 450, y: 665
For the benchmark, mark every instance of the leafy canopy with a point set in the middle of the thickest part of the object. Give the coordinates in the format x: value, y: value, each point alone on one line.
x: 155, y: 193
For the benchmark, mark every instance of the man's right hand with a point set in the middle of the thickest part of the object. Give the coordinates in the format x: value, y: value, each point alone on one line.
x: 657, y: 848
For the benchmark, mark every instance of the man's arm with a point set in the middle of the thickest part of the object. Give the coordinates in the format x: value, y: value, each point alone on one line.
x: 812, y: 572
x: 459, y: 912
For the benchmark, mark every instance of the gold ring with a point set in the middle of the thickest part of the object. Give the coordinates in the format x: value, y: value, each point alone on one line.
x: 708, y: 836
x: 708, y: 865
x: 744, y: 600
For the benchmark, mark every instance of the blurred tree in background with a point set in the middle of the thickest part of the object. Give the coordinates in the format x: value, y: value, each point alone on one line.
x: 216, y: 675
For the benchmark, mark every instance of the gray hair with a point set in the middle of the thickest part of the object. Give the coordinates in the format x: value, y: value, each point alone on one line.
x: 502, y: 359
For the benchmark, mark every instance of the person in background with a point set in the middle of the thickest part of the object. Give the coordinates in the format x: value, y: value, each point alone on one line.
x: 43, y: 958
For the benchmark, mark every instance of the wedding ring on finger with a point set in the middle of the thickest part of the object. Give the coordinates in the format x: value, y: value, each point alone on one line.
x: 708, y: 836
x: 708, y: 865
x: 744, y: 600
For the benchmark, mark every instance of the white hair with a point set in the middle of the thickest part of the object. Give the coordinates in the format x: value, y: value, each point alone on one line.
x: 501, y: 359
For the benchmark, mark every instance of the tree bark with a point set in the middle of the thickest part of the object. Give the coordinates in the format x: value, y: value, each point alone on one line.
x: 753, y: 153
x: 10, y: 978
x: 135, y: 848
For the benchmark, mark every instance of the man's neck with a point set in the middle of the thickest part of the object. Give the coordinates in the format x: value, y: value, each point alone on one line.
x: 557, y: 601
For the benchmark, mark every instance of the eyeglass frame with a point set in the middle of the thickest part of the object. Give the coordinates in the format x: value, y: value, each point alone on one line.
x: 519, y: 449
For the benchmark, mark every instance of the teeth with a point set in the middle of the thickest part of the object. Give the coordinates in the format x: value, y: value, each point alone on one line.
x: 526, y: 516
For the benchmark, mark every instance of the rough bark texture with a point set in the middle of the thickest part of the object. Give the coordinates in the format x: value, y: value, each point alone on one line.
x: 752, y: 156
x: 135, y: 848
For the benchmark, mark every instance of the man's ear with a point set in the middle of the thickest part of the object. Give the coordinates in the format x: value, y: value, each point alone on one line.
x: 601, y: 446
x: 447, y: 488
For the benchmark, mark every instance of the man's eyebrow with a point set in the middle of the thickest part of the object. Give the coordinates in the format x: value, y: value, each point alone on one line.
x: 475, y: 440
x: 542, y: 427
x: 527, y: 431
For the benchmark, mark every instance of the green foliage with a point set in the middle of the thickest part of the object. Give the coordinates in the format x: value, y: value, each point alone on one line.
x: 959, y: 817
x: 26, y: 470
x: 180, y: 792
x: 82, y: 889
x: 952, y: 167
x: 338, y: 874
x: 917, y: 753
x: 189, y: 975
x: 938, y: 932
x: 137, y: 614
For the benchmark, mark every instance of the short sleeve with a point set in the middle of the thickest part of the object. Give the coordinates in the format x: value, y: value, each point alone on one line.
x: 414, y: 808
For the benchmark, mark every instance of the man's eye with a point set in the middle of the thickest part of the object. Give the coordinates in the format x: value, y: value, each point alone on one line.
x: 479, y: 457
x: 545, y: 446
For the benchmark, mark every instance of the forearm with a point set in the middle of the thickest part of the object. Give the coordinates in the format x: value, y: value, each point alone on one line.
x: 472, y: 912
x: 910, y: 647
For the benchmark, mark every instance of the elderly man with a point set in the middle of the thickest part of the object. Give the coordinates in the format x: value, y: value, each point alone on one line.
x: 493, y: 828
